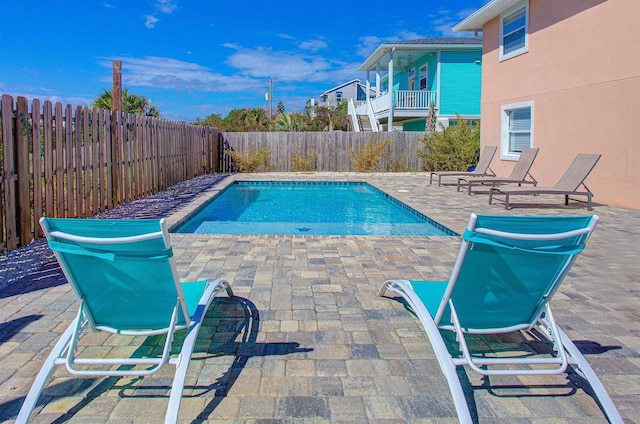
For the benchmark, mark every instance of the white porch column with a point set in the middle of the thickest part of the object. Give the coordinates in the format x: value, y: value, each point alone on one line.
x: 378, y: 79
x: 368, y: 85
x: 390, y: 79
x: 439, y: 78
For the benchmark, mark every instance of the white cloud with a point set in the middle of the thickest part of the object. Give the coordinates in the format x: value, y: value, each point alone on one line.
x: 313, y: 45
x: 168, y: 73
x: 369, y: 43
x: 286, y: 66
x: 162, y: 6
x: 166, y: 6
x: 444, y: 19
x: 150, y: 21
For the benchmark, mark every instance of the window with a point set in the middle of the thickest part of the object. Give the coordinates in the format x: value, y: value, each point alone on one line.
x: 517, y: 129
x: 514, y: 30
x: 423, y: 77
x: 338, y: 96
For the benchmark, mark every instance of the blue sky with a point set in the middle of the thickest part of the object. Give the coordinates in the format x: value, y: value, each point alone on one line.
x: 192, y: 58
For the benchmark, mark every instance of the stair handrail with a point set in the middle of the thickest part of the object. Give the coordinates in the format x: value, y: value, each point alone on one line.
x: 354, y: 116
x: 372, y: 117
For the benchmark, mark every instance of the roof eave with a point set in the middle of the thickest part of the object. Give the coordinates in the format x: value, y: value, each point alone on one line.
x: 383, y: 49
x: 475, y: 21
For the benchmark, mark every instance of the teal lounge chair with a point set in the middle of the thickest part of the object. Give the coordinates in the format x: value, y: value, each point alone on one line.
x: 124, y: 275
x: 507, y: 270
x: 481, y: 170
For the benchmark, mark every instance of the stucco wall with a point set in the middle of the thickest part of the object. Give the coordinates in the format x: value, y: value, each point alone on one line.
x: 582, y: 72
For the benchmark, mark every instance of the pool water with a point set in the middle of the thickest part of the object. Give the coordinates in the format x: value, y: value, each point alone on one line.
x: 312, y: 208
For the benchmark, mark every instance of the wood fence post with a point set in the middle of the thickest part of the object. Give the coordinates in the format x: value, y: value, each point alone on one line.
x: 8, y: 152
x: 115, y: 158
x: 22, y: 164
x: 36, y: 150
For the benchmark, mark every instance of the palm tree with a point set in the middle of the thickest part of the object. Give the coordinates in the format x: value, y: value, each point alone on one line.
x: 289, y: 122
x: 131, y: 103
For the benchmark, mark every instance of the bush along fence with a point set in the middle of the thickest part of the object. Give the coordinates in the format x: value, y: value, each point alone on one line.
x: 61, y: 161
x: 328, y: 151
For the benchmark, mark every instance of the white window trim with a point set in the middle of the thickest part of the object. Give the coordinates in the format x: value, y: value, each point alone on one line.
x: 504, y: 129
x: 523, y: 49
x: 423, y: 74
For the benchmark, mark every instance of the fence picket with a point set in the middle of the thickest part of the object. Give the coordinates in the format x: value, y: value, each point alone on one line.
x: 49, y: 164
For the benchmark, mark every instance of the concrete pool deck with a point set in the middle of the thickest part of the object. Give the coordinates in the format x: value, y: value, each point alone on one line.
x: 307, y: 340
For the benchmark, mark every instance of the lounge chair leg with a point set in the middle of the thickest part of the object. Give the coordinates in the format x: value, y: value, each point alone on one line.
x: 578, y: 361
x: 47, y: 368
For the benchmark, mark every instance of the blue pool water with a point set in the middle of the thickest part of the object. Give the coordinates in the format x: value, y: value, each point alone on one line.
x: 309, y: 208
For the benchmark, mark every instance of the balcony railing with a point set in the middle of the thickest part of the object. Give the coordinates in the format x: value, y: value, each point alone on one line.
x: 403, y: 99
x: 412, y: 99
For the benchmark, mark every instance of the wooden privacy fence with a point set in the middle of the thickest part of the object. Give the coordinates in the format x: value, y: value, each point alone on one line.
x: 61, y: 161
x: 330, y: 149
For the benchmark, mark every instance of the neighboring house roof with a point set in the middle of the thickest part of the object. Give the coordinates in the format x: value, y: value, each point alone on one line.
x: 354, y: 81
x: 417, y: 48
x: 475, y: 21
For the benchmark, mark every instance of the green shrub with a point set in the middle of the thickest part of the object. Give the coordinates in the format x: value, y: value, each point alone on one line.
x: 454, y: 148
x: 368, y: 158
x: 301, y: 163
x: 255, y: 160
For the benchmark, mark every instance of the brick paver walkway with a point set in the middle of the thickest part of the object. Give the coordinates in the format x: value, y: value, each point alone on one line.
x: 307, y: 339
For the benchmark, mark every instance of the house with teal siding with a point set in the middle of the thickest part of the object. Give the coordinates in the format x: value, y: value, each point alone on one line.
x: 408, y: 78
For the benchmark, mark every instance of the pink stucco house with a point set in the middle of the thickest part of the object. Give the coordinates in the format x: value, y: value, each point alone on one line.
x: 563, y: 76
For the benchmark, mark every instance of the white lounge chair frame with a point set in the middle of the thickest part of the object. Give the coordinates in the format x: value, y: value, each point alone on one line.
x: 64, y: 351
x: 567, y: 352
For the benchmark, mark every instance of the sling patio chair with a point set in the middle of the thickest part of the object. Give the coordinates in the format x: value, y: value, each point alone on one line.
x: 518, y: 175
x: 568, y: 185
x: 507, y: 270
x: 481, y: 170
x: 125, y: 278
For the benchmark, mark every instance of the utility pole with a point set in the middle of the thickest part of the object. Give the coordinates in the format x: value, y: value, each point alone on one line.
x: 116, y: 108
x: 269, y: 96
x: 116, y: 92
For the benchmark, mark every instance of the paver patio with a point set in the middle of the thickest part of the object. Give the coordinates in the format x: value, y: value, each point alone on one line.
x: 307, y: 339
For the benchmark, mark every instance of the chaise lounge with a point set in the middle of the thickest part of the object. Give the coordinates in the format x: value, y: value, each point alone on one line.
x: 507, y: 271
x: 481, y: 170
x: 124, y: 276
x: 568, y: 185
x: 518, y: 175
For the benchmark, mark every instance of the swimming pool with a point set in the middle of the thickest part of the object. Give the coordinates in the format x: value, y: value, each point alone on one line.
x: 313, y: 208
